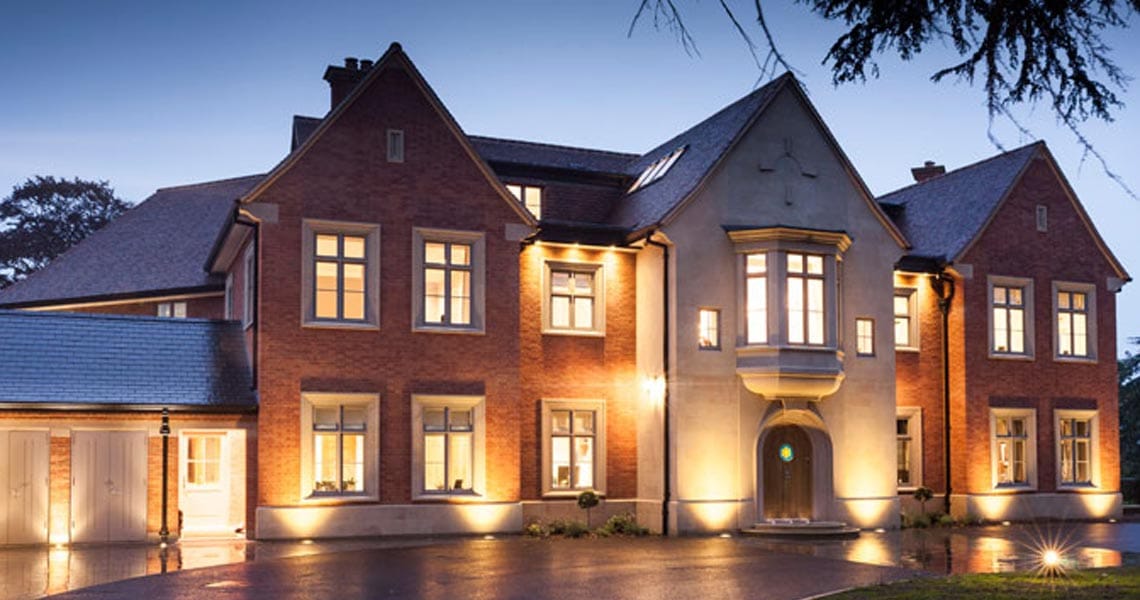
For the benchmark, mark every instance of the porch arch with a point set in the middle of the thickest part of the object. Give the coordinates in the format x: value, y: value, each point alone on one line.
x: 822, y: 486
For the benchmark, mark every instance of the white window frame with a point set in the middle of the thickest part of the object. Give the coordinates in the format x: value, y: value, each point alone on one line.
x: 395, y: 143
x: 598, y: 271
x: 598, y: 407
x: 1089, y: 290
x: 248, y: 284
x: 371, y: 233
x: 1030, y: 416
x: 913, y: 414
x: 477, y: 406
x: 1093, y: 417
x: 716, y: 332
x: 1028, y: 302
x: 371, y: 402
x: 806, y: 277
x: 477, y: 241
x: 764, y: 313
x: 911, y: 295
x: 171, y: 310
x: 859, y: 350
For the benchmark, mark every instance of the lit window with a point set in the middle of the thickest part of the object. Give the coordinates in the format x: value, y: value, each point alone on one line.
x: 339, y: 444
x: 906, y: 322
x: 448, y: 445
x: 708, y: 329
x: 1076, y: 451
x: 1011, y: 317
x: 805, y: 299
x: 530, y: 196
x: 203, y: 460
x: 865, y: 337
x: 248, y: 284
x: 657, y: 169
x: 573, y: 445
x: 756, y: 297
x: 340, y: 274
x: 173, y: 310
x: 1074, y: 309
x: 1013, y: 447
x: 448, y: 280
x: 396, y: 145
x: 908, y: 436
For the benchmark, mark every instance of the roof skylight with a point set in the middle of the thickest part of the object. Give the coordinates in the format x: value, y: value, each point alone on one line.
x: 656, y: 170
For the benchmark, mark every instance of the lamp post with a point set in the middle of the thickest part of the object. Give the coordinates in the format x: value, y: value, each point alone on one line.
x: 164, y: 533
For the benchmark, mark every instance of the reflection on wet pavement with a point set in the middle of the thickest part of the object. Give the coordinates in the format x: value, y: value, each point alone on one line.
x: 993, y: 549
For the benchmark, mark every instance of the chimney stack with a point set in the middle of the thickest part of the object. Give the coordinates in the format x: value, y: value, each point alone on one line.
x: 342, y: 80
x: 928, y: 170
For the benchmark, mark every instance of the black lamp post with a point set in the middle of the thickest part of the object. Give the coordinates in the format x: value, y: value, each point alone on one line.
x: 164, y: 533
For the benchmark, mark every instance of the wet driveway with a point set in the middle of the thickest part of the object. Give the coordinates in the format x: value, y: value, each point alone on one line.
x: 520, y: 567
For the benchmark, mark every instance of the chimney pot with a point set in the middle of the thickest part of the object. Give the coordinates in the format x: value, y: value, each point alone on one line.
x: 350, y: 63
x: 365, y: 64
x: 928, y: 170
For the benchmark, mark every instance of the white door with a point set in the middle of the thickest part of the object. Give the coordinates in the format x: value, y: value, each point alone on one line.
x: 108, y: 486
x: 204, y: 497
x: 24, y: 487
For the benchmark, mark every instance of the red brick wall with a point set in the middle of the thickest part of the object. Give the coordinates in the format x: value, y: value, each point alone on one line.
x: 575, y: 367
x: 1011, y: 246
x: 345, y: 176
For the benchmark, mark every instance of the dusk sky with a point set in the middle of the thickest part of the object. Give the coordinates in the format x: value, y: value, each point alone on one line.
x: 153, y: 94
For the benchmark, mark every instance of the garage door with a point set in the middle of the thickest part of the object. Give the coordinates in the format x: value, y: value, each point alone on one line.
x: 24, y: 487
x: 108, y: 486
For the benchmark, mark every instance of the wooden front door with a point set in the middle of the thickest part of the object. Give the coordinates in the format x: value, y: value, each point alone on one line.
x: 108, y: 486
x: 786, y: 462
x: 24, y: 487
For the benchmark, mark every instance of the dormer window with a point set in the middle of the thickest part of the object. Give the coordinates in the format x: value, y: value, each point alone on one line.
x: 529, y: 195
x: 657, y: 169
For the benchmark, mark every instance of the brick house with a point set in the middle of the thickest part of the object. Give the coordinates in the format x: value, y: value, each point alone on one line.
x: 405, y: 329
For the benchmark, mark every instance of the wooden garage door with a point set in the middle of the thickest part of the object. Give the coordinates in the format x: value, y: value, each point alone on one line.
x: 108, y: 486
x: 24, y: 487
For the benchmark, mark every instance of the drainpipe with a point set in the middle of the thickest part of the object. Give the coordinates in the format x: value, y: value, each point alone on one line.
x: 665, y: 374
x: 943, y: 284
x: 164, y: 431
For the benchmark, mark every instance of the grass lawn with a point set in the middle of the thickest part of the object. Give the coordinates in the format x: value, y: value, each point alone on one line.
x: 1123, y: 582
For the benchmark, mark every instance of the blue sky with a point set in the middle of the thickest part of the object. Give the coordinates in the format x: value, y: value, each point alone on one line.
x: 152, y: 94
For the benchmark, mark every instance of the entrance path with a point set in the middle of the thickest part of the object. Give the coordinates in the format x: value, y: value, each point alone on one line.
x: 513, y: 567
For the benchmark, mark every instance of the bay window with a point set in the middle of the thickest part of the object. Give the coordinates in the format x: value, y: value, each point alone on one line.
x: 756, y: 297
x: 805, y: 299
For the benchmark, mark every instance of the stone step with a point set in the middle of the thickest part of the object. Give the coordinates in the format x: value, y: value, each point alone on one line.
x: 801, y: 528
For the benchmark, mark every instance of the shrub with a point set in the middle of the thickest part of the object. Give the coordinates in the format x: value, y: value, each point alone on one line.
x: 536, y: 529
x: 917, y: 522
x: 575, y: 529
x: 945, y: 521
x: 624, y: 524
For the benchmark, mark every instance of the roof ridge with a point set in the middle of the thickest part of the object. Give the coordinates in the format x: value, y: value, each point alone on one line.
x: 19, y: 312
x: 296, y: 116
x: 559, y: 146
x: 186, y: 186
x: 959, y: 170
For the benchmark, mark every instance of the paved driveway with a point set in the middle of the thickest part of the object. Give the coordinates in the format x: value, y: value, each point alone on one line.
x: 521, y: 568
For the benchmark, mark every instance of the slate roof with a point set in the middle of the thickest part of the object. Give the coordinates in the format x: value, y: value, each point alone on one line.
x: 499, y: 150
x: 54, y: 359
x: 160, y: 245
x: 705, y: 143
x: 941, y: 215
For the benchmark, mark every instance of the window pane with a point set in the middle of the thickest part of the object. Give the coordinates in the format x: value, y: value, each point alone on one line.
x: 460, y: 420
x: 1080, y: 335
x: 815, y: 265
x: 583, y: 462
x: 583, y: 284
x: 355, y: 418
x: 164, y: 309
x: 326, y: 418
x: 1019, y: 474
x: 434, y: 456
x: 902, y: 331
x: 434, y: 296
x: 795, y: 309
x: 583, y: 421
x: 815, y: 311
x: 560, y: 462
x: 1081, y: 428
x: 999, y: 295
x: 534, y: 201
x: 1003, y: 461
x: 1015, y: 296
x: 757, y: 263
x: 515, y: 190
x: 584, y: 313
x: 326, y: 245
x: 560, y: 421
x: 560, y: 282
x: 179, y: 310
x: 902, y: 426
x: 1001, y: 331
x: 1002, y: 427
x: 904, y: 462
x: 460, y: 297
x: 1067, y: 462
x: 324, y: 462
x: 353, y: 247
x: 460, y: 254
x: 326, y: 276
x: 1017, y: 427
x: 1079, y: 302
x: 352, y: 472
x: 560, y: 311
x: 1016, y: 330
x: 353, y: 305
x: 708, y: 329
x: 434, y: 419
x: 902, y: 306
x: 757, y: 310
x: 459, y: 461
x: 1063, y: 300
x: 795, y: 263
x: 354, y: 278
x: 326, y: 305
x: 435, y: 253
